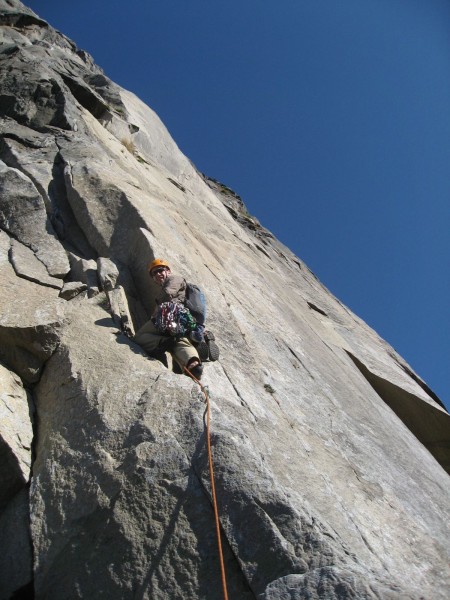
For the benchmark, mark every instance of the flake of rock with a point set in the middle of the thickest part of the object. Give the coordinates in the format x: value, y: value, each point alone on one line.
x: 29, y: 322
x: 120, y: 310
x: 108, y: 273
x: 26, y: 265
x: 23, y: 215
x: 71, y: 289
x: 33, y: 155
x: 85, y: 271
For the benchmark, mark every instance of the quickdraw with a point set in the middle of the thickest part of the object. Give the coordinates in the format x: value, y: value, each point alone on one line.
x: 174, y: 319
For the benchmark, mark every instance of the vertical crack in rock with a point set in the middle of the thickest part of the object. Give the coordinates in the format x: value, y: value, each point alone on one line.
x: 64, y: 218
x: 299, y: 361
x: 104, y: 212
x: 239, y: 395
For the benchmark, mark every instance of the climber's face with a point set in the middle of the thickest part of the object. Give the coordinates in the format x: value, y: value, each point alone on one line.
x: 160, y: 274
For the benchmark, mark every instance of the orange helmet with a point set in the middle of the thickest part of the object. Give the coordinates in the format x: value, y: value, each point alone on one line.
x: 158, y: 262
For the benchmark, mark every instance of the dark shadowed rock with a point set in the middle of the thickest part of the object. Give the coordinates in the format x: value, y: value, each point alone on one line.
x: 16, y: 558
x: 16, y: 436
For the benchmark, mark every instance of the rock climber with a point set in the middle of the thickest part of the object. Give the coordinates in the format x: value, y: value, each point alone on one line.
x: 187, y: 352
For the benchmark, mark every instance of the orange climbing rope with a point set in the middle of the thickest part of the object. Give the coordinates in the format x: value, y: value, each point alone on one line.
x: 211, y: 475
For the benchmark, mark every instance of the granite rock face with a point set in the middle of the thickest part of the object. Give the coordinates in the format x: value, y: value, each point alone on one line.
x: 331, y: 455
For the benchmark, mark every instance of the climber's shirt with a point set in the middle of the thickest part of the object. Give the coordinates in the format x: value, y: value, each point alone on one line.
x: 172, y: 290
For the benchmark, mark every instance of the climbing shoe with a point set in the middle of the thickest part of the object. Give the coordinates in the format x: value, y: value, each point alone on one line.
x: 203, y: 350
x: 213, y: 348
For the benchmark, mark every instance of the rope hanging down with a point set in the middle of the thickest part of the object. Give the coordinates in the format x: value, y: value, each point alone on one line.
x: 213, y: 485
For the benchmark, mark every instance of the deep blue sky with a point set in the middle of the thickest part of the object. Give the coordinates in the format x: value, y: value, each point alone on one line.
x: 330, y: 118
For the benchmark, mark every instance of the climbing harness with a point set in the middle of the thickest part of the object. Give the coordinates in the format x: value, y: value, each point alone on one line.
x: 174, y: 319
x: 204, y: 390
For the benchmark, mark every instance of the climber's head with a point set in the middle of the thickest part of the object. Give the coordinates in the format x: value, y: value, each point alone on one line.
x: 158, y: 270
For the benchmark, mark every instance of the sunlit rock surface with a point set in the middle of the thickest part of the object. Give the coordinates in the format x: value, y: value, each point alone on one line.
x: 331, y: 454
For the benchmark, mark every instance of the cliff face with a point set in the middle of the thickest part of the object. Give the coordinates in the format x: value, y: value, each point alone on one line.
x: 330, y: 452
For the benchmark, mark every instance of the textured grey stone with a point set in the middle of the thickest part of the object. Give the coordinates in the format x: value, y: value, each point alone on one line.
x: 327, y: 582
x: 108, y: 273
x: 71, y: 289
x: 16, y: 558
x: 23, y: 215
x: 131, y: 482
x: 329, y: 451
x: 26, y: 265
x: 120, y: 310
x: 85, y: 271
x: 16, y: 435
x: 29, y: 322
